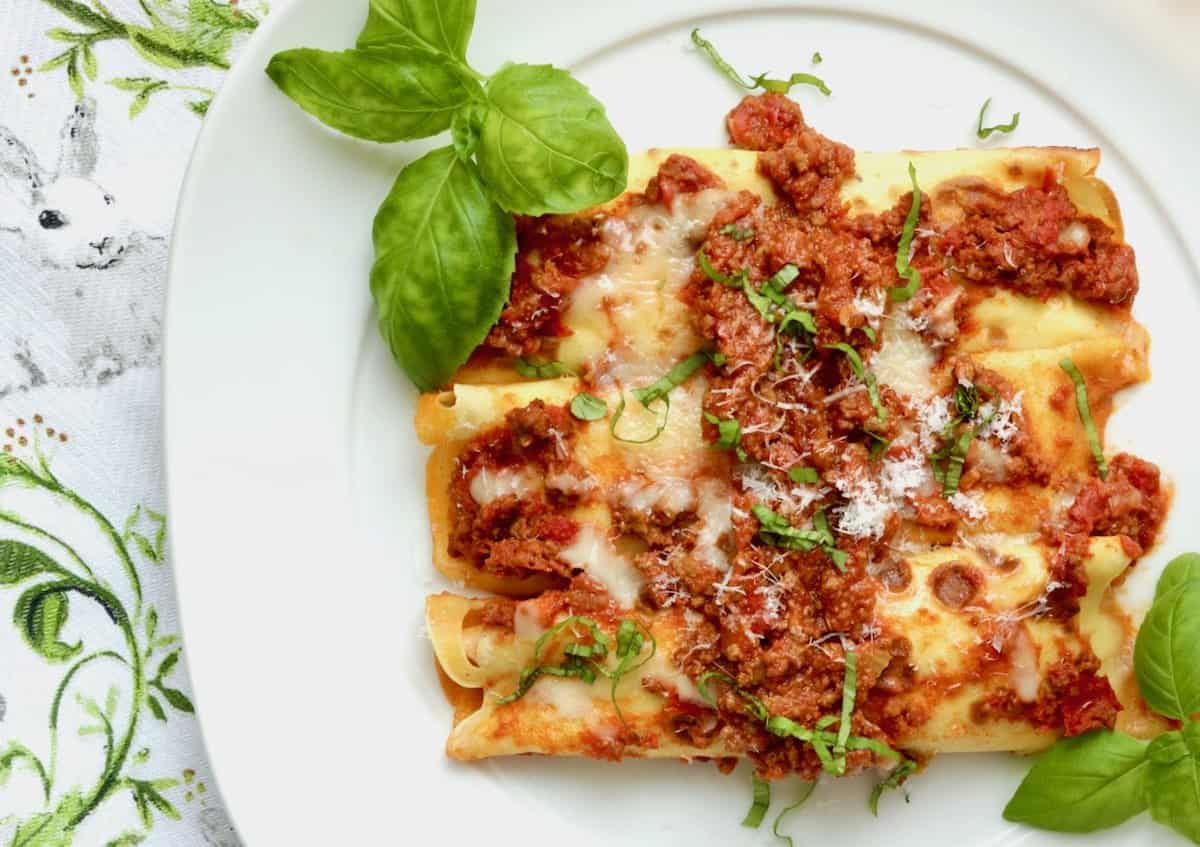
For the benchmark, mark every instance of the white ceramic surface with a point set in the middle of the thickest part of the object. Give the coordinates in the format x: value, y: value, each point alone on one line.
x: 295, y: 480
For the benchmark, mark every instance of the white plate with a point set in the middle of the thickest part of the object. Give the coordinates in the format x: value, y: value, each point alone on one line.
x: 300, y: 534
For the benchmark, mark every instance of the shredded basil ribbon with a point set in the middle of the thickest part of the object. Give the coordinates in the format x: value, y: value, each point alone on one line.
x: 892, y: 782
x: 903, y: 268
x: 543, y: 370
x: 984, y: 131
x: 849, y: 689
x: 860, y: 371
x: 778, y: 86
x: 804, y: 476
x: 585, y: 660
x: 729, y: 434
x: 948, y: 462
x: 806, y: 791
x: 588, y: 407
x: 820, y: 738
x: 736, y: 232
x: 775, y: 530
x: 762, y: 802
x: 1085, y: 415
x: 660, y: 389
x: 771, y: 294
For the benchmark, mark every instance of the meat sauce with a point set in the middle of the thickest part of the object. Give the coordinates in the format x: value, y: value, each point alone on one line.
x: 780, y: 622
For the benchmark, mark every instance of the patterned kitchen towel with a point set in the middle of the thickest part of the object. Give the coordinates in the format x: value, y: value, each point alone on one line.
x: 100, y: 103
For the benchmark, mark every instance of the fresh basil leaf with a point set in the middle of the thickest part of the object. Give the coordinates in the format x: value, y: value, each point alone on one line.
x: 1173, y: 788
x: 588, y: 407
x: 760, y: 803
x: 466, y: 128
x: 778, y: 86
x: 1082, y: 784
x: 904, y: 269
x: 1167, y: 748
x: 443, y: 25
x: 541, y: 370
x: 444, y: 257
x: 547, y: 146
x: 1181, y: 569
x: 893, y: 781
x: 985, y: 131
x: 1164, y: 655
x: 20, y: 561
x: 40, y: 614
x: 388, y: 94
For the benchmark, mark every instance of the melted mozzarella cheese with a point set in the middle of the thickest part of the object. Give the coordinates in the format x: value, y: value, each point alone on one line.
x: 904, y: 362
x: 492, y: 485
x: 716, y: 520
x: 594, y: 554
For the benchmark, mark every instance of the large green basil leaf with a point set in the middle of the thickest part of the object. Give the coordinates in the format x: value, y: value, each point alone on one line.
x: 1082, y: 784
x: 385, y: 94
x: 444, y: 257
x: 40, y: 615
x: 1173, y: 786
x: 19, y: 561
x: 1166, y: 655
x: 435, y: 24
x: 547, y: 146
x: 1179, y: 570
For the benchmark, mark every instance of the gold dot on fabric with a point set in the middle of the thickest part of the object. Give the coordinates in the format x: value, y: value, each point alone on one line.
x: 22, y: 441
x: 16, y: 71
x: 20, y: 422
x: 10, y: 432
x: 50, y: 431
x: 37, y: 418
x: 62, y: 436
x: 7, y: 448
x: 22, y: 81
x: 24, y: 60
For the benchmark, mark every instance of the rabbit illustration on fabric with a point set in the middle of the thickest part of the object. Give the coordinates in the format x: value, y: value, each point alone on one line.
x: 67, y: 218
x: 92, y: 276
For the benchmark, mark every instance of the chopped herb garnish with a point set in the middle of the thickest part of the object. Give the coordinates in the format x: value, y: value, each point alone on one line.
x: 775, y: 530
x: 762, y: 802
x: 660, y: 389
x: 1085, y: 415
x: 903, y: 268
x: 804, y: 476
x: 949, y: 461
x: 757, y: 709
x: 860, y: 371
x: 817, y: 58
x: 879, y: 444
x: 849, y: 689
x: 806, y: 790
x: 588, y: 407
x: 984, y: 131
x: 729, y: 434
x: 585, y: 659
x: 892, y: 782
x: 736, y: 232
x: 738, y: 280
x: 778, y: 86
x: 541, y: 370
x: 869, y: 332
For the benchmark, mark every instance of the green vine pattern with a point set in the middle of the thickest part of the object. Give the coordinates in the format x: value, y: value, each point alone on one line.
x: 170, y: 35
x: 49, y: 577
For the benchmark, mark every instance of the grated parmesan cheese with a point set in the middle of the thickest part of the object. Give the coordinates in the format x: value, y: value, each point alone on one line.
x: 970, y: 506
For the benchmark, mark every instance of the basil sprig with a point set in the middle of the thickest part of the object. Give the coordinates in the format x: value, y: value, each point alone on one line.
x: 660, y: 389
x: 528, y: 140
x: 778, y: 86
x: 948, y: 462
x: 985, y: 131
x: 1103, y: 778
x: 1085, y: 415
